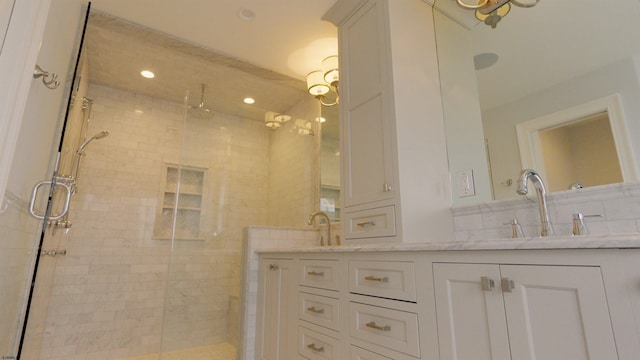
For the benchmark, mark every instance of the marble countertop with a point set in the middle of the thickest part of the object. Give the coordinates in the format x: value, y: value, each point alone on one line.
x: 626, y: 241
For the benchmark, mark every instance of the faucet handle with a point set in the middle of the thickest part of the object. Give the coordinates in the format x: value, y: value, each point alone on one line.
x: 579, y: 228
x: 516, y: 229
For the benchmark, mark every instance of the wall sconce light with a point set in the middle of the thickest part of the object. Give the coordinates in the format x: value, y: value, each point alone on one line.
x: 492, y: 11
x: 321, y: 82
x: 303, y: 127
x: 274, y: 120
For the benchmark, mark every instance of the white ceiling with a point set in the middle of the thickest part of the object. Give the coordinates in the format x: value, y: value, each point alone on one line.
x: 286, y: 36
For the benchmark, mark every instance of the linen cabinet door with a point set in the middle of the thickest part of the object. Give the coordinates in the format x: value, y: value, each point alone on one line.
x: 557, y: 312
x: 470, y: 312
x: 366, y: 109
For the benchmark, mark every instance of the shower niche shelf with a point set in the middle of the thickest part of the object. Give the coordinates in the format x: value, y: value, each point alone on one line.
x: 181, y: 196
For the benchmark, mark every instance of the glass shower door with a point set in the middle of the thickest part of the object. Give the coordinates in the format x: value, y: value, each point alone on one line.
x: 21, y: 232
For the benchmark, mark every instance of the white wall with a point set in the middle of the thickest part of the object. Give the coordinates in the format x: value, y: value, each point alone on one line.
x: 499, y: 123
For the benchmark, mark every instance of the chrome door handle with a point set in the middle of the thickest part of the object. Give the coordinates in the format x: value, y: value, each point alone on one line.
x: 68, y: 189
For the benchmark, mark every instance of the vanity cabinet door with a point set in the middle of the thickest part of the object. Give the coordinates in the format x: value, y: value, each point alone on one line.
x: 276, y: 321
x: 487, y: 311
x: 471, y: 320
x: 557, y: 312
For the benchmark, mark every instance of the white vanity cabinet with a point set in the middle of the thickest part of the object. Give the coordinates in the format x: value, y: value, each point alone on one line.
x: 390, y: 109
x: 367, y: 303
x: 488, y: 311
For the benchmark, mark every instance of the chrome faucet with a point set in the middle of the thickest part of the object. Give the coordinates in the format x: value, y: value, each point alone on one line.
x: 527, y: 174
x: 326, y: 217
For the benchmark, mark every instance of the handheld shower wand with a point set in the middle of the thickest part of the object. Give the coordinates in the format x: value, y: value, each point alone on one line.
x: 100, y: 135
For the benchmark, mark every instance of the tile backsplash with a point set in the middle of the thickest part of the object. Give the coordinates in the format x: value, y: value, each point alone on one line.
x: 618, y: 206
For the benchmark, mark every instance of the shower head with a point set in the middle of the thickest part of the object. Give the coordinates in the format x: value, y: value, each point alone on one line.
x: 100, y: 135
x: 200, y: 108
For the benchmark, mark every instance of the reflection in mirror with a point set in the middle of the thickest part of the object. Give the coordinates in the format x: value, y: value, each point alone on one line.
x: 551, y: 57
x: 330, y: 163
x: 580, y: 154
x: 582, y: 146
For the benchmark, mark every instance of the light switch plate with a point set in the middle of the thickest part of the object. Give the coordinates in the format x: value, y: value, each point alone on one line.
x: 465, y: 184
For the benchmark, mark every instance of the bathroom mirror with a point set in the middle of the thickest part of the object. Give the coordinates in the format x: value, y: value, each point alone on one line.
x: 538, y: 61
x: 330, y: 163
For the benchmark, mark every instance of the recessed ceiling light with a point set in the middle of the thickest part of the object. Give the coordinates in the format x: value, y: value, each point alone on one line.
x: 249, y: 100
x: 148, y: 74
x: 246, y: 14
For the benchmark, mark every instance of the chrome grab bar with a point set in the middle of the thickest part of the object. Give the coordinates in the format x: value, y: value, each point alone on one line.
x: 34, y: 194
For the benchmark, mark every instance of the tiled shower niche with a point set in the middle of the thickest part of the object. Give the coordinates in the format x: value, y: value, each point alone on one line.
x: 184, y: 185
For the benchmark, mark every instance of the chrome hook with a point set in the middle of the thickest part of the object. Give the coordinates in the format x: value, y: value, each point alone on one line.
x: 50, y: 80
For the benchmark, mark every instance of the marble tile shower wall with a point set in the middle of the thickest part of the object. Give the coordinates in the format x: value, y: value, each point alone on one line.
x: 108, y: 293
x: 618, y: 205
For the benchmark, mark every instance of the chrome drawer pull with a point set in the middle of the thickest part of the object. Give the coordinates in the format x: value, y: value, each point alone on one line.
x: 315, y: 273
x: 378, y: 279
x: 507, y: 285
x: 366, y: 223
x: 314, y: 310
x: 313, y: 347
x: 487, y: 283
x: 381, y: 328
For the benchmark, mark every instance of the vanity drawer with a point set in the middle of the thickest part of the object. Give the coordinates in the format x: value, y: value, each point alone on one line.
x: 362, y: 354
x: 322, y: 274
x: 315, y: 346
x: 319, y: 310
x: 387, y: 279
x: 377, y: 222
x: 393, y: 329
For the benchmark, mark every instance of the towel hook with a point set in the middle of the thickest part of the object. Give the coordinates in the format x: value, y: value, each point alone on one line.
x: 50, y: 80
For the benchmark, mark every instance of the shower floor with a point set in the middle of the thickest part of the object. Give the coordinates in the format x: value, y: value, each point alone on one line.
x: 223, y: 351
